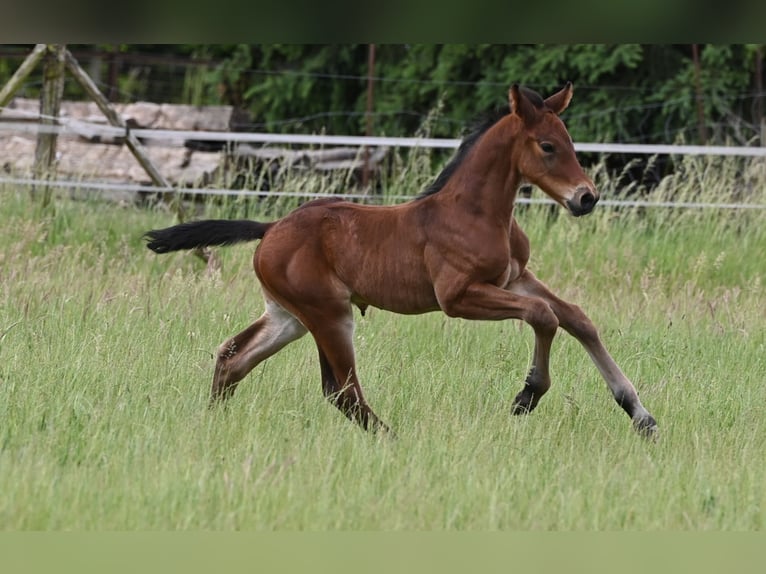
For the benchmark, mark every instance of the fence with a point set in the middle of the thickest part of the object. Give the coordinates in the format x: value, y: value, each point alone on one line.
x: 178, y: 138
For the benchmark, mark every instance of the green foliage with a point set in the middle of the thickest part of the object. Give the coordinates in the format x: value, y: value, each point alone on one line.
x: 297, y: 83
x: 624, y: 92
x: 725, y: 74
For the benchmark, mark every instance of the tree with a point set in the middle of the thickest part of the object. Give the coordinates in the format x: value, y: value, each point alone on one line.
x: 624, y: 92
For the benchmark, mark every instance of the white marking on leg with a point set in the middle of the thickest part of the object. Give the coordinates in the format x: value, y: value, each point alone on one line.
x: 271, y: 332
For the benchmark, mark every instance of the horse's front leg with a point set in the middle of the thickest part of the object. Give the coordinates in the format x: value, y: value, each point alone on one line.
x: 572, y: 319
x: 537, y: 383
x: 485, y: 301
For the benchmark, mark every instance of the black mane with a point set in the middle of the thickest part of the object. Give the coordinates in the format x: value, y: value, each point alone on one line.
x: 468, y: 141
x: 534, y: 97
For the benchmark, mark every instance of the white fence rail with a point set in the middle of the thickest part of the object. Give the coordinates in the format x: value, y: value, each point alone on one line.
x: 178, y: 137
x: 70, y: 127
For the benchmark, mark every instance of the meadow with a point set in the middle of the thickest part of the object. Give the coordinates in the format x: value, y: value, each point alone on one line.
x: 107, y: 352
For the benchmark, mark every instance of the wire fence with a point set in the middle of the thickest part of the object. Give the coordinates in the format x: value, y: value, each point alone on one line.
x: 178, y: 138
x: 223, y: 192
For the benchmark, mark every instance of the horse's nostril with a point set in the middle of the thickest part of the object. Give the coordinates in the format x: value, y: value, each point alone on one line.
x: 587, y: 201
x: 583, y: 202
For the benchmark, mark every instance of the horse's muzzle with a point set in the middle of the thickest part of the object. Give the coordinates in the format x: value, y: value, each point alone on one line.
x: 583, y: 201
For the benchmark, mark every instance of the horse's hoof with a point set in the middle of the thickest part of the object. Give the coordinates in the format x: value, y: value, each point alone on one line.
x: 522, y: 405
x: 519, y: 409
x: 646, y: 427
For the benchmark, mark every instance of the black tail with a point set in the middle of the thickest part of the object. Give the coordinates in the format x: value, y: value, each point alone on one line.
x: 204, y: 234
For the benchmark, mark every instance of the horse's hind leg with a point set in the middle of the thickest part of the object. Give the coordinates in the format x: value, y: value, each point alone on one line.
x: 340, y: 383
x: 240, y: 354
x: 347, y: 396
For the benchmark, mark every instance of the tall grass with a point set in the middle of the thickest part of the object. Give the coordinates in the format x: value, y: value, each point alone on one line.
x: 106, y: 356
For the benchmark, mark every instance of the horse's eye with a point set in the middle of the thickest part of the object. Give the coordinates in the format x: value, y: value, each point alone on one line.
x: 547, y: 147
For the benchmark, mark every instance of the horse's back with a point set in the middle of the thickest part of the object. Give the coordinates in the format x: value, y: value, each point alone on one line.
x: 371, y: 255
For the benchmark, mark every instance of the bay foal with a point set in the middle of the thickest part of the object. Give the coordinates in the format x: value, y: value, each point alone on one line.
x: 456, y: 248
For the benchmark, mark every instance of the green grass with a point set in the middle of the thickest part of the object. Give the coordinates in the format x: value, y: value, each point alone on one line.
x: 106, y: 356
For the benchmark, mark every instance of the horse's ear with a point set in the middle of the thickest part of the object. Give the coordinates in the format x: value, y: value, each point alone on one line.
x: 520, y: 105
x: 559, y: 101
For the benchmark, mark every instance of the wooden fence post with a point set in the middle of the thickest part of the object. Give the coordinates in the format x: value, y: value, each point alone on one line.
x: 206, y: 254
x: 21, y: 73
x: 368, y: 115
x: 44, y: 166
x: 114, y: 119
x: 701, y: 129
x: 58, y: 59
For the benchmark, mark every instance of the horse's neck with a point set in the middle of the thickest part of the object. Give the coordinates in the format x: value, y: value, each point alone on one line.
x: 488, y: 180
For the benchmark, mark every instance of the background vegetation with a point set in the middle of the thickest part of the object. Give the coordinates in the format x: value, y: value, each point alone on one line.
x: 625, y: 92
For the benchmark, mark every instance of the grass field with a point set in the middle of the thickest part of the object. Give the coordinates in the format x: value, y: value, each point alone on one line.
x: 106, y: 356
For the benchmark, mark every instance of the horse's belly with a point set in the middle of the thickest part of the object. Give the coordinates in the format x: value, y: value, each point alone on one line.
x: 395, y: 293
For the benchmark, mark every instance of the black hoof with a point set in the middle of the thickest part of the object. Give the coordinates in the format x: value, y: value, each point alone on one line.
x: 646, y: 427
x: 524, y: 403
x: 519, y: 409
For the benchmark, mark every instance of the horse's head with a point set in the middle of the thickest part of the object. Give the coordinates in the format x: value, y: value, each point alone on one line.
x: 545, y: 153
